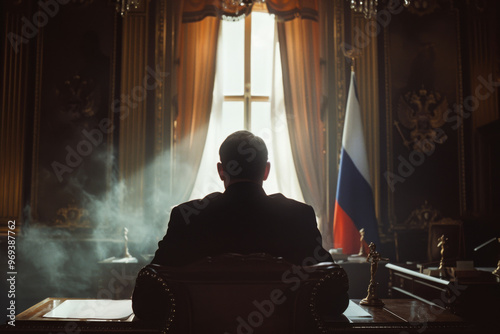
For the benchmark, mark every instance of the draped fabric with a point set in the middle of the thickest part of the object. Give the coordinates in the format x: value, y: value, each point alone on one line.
x: 299, y: 46
x: 300, y: 55
x: 196, y: 10
x: 197, y: 49
x: 282, y: 177
x: 354, y: 205
x: 285, y: 10
x: 284, y: 172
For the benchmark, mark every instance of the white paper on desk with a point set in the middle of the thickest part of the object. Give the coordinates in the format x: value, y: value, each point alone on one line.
x: 105, y: 309
x: 354, y: 311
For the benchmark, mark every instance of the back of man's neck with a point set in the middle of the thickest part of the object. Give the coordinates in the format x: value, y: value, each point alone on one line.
x: 235, y: 181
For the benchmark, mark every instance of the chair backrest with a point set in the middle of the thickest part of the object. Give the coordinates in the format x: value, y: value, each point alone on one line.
x: 454, y: 247
x: 236, y: 293
x: 411, y: 236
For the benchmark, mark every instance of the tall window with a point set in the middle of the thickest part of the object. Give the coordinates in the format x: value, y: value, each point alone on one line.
x: 248, y: 95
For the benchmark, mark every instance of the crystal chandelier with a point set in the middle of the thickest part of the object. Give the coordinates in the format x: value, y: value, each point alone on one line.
x: 123, y: 6
x: 238, y: 6
x: 369, y: 7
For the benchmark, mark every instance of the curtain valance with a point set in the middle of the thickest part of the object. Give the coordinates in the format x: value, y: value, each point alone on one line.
x: 285, y: 10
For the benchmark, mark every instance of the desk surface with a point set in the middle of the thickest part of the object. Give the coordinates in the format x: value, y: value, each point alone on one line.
x: 37, y: 311
x: 472, y: 298
x: 397, y: 315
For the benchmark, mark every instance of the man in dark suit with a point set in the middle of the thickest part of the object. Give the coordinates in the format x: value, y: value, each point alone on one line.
x: 243, y: 219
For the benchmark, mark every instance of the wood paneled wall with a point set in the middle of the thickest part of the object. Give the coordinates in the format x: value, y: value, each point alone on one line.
x: 14, y: 104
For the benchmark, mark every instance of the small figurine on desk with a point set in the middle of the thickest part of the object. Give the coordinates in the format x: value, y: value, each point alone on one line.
x: 126, y: 254
x: 374, y: 258
x: 361, y: 252
x: 442, y: 241
x: 361, y: 242
x: 496, y: 272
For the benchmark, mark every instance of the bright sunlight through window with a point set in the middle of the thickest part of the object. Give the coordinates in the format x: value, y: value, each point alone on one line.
x: 248, y: 94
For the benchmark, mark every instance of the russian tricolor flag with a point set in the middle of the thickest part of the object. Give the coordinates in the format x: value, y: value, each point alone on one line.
x: 354, y: 205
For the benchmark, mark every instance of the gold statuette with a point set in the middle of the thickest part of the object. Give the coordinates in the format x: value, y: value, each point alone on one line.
x: 374, y: 258
x: 361, y: 252
x: 496, y: 272
x: 126, y: 254
x: 441, y: 242
x: 361, y: 238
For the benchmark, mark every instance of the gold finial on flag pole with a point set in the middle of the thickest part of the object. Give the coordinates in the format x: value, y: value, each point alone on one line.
x: 353, y: 54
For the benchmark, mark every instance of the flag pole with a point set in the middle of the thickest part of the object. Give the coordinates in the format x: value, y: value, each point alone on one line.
x: 354, y: 188
x: 352, y: 54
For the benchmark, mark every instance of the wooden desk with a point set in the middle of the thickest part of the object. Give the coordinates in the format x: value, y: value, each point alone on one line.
x: 397, y: 316
x: 474, y: 300
x: 404, y: 316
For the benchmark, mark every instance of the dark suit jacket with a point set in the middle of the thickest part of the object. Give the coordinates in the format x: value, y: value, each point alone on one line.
x: 242, y: 220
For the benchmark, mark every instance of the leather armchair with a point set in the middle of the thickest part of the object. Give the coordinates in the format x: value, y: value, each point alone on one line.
x: 236, y: 293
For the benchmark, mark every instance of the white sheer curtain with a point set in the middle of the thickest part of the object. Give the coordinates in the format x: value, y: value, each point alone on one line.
x: 207, y: 180
x: 283, y: 177
x: 268, y: 122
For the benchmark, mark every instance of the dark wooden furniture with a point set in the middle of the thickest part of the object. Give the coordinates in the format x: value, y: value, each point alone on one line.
x: 254, y: 293
x: 397, y: 316
x: 117, y: 279
x: 416, y: 238
x: 475, y: 299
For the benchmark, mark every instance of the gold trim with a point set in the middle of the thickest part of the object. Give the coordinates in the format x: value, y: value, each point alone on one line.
x: 332, y: 20
x: 132, y: 125
x: 391, y: 214
x: 72, y: 217
x: 160, y: 60
x: 334, y: 92
x: 340, y: 75
x: 163, y: 123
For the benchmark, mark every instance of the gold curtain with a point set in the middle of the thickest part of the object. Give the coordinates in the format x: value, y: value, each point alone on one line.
x: 300, y: 56
x: 197, y: 49
x: 299, y: 39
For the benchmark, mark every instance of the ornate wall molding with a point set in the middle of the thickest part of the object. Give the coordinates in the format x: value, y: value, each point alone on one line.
x: 73, y: 110
x: 14, y: 101
x: 167, y: 18
x: 432, y: 57
x: 133, y: 105
x: 332, y: 18
x: 483, y: 37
